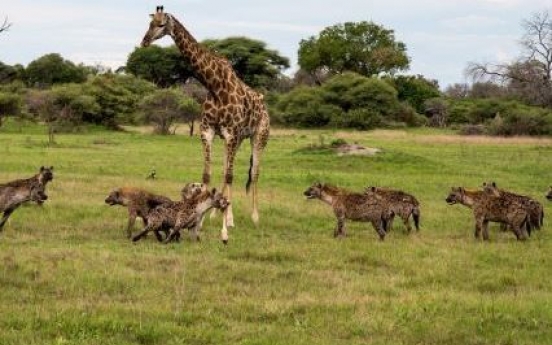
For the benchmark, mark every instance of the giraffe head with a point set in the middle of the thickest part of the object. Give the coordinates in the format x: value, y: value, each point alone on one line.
x: 161, y: 25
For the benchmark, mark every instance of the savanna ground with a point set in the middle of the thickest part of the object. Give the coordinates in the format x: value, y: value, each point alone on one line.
x: 69, y: 276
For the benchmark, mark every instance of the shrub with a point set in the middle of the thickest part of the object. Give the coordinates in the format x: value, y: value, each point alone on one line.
x: 362, y: 119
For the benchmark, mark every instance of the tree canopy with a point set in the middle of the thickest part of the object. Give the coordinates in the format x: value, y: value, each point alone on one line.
x: 364, y: 48
x: 53, y: 69
x: 254, y: 63
x: 162, y: 66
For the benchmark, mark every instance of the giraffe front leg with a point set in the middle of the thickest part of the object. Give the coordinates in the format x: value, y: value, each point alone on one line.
x: 231, y: 147
x: 207, y: 135
x: 258, y: 143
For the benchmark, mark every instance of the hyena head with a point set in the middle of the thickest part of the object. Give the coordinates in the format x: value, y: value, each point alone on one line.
x: 491, y: 188
x: 314, y: 191
x: 549, y: 194
x: 37, y: 193
x: 46, y: 174
x: 219, y: 200
x: 455, y: 196
x: 114, y: 198
x: 192, y: 189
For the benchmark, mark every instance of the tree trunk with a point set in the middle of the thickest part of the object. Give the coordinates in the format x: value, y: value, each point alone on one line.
x: 191, y: 128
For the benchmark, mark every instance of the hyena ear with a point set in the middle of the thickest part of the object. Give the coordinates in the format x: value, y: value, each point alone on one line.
x: 373, y: 189
x: 51, y: 167
x: 493, y: 184
x: 42, y: 168
x: 214, y: 191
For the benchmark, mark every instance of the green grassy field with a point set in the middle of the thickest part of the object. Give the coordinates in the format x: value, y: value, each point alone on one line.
x: 69, y: 276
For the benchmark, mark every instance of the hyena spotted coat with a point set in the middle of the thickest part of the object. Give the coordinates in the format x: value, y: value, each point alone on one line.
x: 16, y: 193
x: 534, y: 208
x: 184, y: 214
x: 488, y: 207
x: 399, y: 203
x: 352, y: 206
x: 138, y: 203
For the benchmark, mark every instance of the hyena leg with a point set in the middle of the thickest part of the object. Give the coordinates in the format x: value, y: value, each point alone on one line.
x: 158, y: 234
x: 173, y: 234
x: 195, y: 231
x: 518, y: 230
x: 407, y: 223
x: 379, y: 227
x: 340, y: 228
x: 131, y: 219
x: 5, y: 217
x: 477, y: 233
x: 147, y: 228
x: 485, y: 226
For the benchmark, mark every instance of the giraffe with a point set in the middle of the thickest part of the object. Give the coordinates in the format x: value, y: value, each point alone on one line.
x: 232, y: 110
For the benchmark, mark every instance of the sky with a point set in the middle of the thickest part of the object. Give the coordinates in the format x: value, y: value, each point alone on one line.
x: 441, y: 36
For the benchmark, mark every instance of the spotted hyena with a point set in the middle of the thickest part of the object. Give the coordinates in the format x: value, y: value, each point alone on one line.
x: 533, y: 207
x: 138, y: 202
x: 352, y: 206
x: 184, y: 214
x: 16, y: 193
x: 399, y: 203
x: 487, y: 207
x: 549, y: 194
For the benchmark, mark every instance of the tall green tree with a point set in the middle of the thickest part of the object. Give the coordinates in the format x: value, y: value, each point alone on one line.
x: 364, y: 48
x: 165, y: 107
x: 53, y: 69
x: 415, y: 90
x: 10, y: 105
x: 162, y: 66
x: 254, y: 63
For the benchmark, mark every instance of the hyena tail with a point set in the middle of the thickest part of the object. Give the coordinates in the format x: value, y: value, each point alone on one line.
x: 249, y: 177
x: 416, y: 217
x: 541, y: 220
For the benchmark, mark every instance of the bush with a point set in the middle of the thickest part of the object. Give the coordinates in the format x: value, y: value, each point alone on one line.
x: 364, y: 118
x: 305, y: 107
x: 10, y: 105
x: 522, y: 121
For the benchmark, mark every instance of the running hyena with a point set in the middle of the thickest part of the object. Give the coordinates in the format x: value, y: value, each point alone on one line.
x: 399, y: 203
x: 138, y: 202
x: 184, y: 214
x: 353, y: 206
x: 488, y: 207
x: 14, y: 194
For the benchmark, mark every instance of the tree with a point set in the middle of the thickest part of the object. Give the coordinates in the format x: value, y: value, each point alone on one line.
x: 7, y: 73
x: 415, y: 90
x: 165, y: 107
x: 52, y: 69
x: 254, y: 63
x: 118, y: 97
x: 62, y: 108
x: 5, y: 25
x: 364, y: 48
x: 161, y: 66
x: 10, y: 105
x: 530, y: 77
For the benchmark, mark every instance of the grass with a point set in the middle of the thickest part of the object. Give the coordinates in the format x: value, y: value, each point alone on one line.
x: 68, y: 275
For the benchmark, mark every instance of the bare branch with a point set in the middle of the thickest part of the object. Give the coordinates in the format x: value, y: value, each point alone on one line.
x: 5, y: 26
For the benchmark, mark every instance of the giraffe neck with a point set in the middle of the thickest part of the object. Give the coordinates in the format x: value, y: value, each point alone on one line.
x: 212, y: 71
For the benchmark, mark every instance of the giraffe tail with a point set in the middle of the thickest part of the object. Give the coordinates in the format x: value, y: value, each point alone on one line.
x: 249, y: 178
